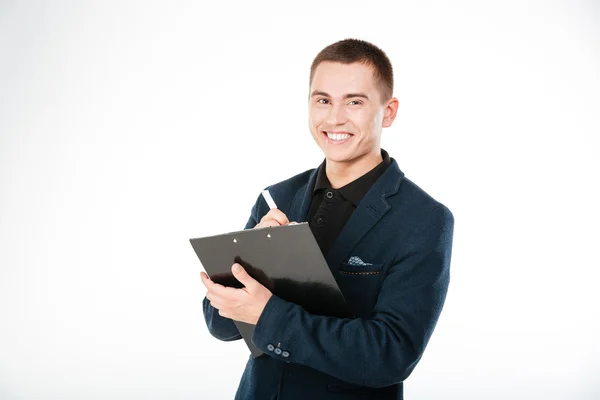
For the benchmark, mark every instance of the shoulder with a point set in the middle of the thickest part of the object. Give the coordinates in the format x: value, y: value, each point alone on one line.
x: 418, y: 198
x: 419, y: 211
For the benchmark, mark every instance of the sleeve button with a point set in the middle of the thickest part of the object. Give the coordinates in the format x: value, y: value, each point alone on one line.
x: 270, y: 347
x: 285, y: 354
x: 278, y: 351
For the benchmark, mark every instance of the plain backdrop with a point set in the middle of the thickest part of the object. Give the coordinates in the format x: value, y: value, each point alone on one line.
x: 128, y: 127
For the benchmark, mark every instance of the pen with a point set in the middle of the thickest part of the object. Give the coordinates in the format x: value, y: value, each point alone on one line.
x: 269, y: 199
x: 272, y: 204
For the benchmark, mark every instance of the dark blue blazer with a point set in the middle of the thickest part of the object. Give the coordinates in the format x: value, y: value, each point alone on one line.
x: 406, y: 236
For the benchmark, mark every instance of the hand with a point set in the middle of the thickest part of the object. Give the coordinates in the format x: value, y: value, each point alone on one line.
x: 246, y: 304
x: 274, y: 217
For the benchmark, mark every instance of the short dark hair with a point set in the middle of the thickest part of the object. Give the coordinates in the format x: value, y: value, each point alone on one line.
x: 349, y: 51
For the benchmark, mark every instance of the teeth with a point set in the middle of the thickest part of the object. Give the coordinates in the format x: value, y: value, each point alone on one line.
x: 338, y: 136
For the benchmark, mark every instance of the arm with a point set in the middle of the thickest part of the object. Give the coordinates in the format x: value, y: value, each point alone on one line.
x: 220, y: 327
x: 384, y: 348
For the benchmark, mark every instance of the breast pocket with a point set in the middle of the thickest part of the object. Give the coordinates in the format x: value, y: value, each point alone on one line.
x: 369, y: 269
x: 360, y: 286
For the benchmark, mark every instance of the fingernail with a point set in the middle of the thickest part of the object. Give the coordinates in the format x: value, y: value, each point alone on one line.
x: 236, y: 268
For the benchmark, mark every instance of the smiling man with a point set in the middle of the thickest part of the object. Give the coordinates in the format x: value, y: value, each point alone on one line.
x: 387, y: 242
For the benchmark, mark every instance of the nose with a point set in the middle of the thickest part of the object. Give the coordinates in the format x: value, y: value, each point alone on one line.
x: 336, y: 115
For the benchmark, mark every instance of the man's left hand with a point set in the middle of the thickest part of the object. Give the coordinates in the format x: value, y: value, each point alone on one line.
x: 246, y: 304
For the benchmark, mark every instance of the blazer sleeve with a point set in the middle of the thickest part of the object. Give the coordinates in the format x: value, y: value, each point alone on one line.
x: 220, y: 327
x: 383, y: 348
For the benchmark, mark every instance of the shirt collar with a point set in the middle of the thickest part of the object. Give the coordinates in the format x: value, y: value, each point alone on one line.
x: 355, y: 190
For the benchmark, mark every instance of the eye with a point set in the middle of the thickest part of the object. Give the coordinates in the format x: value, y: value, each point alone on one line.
x: 355, y: 102
x: 322, y: 101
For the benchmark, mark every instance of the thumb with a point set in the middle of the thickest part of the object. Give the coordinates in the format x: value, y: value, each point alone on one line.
x: 241, y: 275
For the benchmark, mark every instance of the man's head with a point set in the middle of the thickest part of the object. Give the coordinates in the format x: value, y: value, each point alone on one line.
x: 350, y: 91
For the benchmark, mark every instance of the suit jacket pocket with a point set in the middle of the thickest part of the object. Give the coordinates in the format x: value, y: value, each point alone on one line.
x: 370, y: 269
x: 360, y: 286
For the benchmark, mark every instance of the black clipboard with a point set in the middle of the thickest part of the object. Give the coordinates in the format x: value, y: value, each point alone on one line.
x: 286, y: 259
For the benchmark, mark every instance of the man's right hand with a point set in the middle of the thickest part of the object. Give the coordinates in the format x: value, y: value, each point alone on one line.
x: 274, y: 217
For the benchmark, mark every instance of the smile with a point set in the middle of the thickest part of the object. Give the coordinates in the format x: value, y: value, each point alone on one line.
x: 337, y: 138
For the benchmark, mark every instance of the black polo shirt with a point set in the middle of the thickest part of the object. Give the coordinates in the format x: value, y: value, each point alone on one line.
x: 331, y: 208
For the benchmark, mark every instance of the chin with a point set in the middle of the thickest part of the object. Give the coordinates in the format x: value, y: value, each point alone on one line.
x: 338, y: 156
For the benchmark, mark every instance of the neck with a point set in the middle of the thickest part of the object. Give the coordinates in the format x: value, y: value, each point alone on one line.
x: 341, y: 173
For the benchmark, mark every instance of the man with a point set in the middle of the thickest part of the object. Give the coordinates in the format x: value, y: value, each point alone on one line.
x: 387, y: 242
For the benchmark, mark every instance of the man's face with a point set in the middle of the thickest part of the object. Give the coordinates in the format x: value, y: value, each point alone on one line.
x: 344, y: 100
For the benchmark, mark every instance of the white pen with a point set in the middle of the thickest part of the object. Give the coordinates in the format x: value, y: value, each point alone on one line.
x: 269, y: 199
x: 272, y: 204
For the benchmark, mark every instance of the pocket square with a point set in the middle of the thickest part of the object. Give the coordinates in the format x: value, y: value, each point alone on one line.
x: 356, y: 261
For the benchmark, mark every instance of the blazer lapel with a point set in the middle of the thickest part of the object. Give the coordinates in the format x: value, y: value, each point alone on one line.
x: 369, y: 211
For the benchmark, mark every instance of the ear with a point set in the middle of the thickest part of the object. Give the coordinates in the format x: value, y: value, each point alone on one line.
x: 389, y: 114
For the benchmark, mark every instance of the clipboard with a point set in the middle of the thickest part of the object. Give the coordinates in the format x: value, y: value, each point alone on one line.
x: 286, y: 259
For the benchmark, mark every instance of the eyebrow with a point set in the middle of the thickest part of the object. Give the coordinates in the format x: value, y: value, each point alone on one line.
x: 347, y: 96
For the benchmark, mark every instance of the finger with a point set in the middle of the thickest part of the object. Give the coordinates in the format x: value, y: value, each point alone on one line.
x: 277, y: 215
x: 224, y: 293
x: 241, y: 275
x: 267, y: 223
x: 214, y: 287
x: 204, y: 279
x: 223, y: 314
x: 215, y: 300
x: 208, y: 283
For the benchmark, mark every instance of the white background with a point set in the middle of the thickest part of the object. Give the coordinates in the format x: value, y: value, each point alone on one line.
x: 128, y: 127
